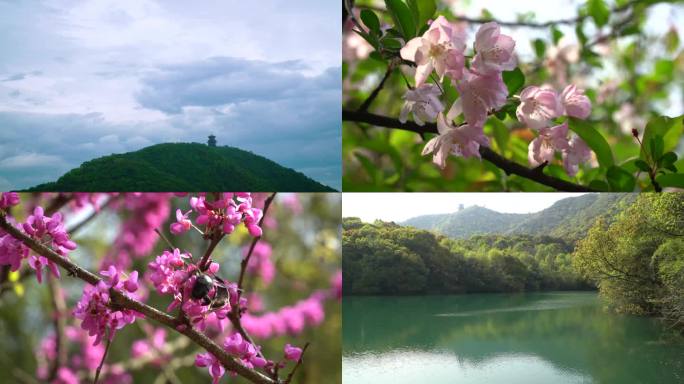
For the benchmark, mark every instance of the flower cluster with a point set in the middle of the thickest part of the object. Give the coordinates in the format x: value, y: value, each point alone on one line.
x: 481, y: 87
x: 47, y: 230
x: 538, y: 107
x: 226, y: 213
x: 8, y: 199
x: 247, y: 353
x: 94, y: 311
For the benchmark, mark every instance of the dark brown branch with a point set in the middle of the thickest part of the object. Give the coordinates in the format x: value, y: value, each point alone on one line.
x: 508, y: 166
x: 120, y: 300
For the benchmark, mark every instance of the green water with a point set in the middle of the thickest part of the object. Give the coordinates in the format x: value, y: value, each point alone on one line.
x: 541, y: 338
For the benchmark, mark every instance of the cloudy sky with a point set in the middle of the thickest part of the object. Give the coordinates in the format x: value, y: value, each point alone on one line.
x: 403, y: 206
x: 79, y: 80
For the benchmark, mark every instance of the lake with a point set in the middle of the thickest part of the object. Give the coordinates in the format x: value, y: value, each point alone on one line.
x: 537, y: 338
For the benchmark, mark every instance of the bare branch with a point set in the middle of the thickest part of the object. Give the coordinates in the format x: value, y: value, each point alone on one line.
x: 508, y: 166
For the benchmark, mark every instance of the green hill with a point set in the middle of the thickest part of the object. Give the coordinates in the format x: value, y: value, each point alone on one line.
x: 184, y: 167
x: 568, y: 218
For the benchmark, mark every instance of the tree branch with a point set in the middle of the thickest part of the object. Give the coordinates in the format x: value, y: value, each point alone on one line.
x: 120, y: 300
x: 376, y: 91
x: 508, y: 166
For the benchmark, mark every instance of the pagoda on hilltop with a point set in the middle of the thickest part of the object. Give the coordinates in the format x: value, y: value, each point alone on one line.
x: 212, y: 141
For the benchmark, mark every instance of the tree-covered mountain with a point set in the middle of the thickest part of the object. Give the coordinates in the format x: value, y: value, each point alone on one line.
x: 568, y: 218
x: 184, y: 167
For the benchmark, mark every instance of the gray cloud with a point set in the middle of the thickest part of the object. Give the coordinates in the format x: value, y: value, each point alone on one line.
x: 83, y: 80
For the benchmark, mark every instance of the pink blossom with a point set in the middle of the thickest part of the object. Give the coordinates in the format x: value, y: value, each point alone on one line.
x: 440, y: 49
x: 494, y: 51
x: 166, y: 272
x: 462, y: 141
x: 292, y: 353
x: 574, y: 101
x: 12, y: 251
x: 550, y: 140
x: 290, y: 320
x: 479, y: 95
x: 94, y: 311
x: 423, y: 102
x: 538, y: 106
x: 8, y: 199
x: 577, y: 152
x: 216, y: 369
x: 182, y: 223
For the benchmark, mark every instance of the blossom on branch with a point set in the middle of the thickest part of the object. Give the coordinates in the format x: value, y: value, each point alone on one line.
x: 494, y: 51
x: 423, y: 102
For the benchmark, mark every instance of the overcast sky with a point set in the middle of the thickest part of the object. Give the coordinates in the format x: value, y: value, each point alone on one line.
x: 402, y: 206
x: 79, y: 80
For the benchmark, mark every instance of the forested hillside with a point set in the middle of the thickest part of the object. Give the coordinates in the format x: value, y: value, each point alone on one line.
x: 633, y: 253
x: 568, y: 218
x: 183, y: 167
x: 385, y: 258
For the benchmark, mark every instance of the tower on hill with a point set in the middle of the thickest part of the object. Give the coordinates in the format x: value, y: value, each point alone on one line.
x: 212, y: 141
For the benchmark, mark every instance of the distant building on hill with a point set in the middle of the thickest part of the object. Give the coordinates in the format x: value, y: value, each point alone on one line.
x: 212, y: 141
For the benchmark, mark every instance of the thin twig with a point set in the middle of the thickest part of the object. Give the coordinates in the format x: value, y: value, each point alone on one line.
x: 245, y: 261
x: 364, y: 106
x: 508, y: 166
x: 104, y: 357
x: 75, y: 228
x: 299, y: 362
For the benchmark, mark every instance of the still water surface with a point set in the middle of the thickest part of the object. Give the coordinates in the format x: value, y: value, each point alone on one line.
x: 540, y: 338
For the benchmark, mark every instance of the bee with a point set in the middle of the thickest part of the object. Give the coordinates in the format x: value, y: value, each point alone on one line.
x: 203, y: 287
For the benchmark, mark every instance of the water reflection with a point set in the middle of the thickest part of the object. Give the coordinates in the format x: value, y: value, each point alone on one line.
x: 550, y: 337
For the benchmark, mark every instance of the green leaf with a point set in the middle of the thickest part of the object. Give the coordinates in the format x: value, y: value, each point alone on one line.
x: 556, y: 34
x: 642, y: 165
x: 501, y: 133
x: 599, y: 185
x: 514, y: 80
x: 392, y: 44
x: 594, y: 140
x: 675, y: 180
x: 539, y: 47
x: 370, y: 20
x: 403, y: 18
x: 423, y: 11
x: 372, y: 40
x: 667, y: 159
x: 599, y: 11
x: 656, y: 146
x: 669, y: 128
x: 620, y: 180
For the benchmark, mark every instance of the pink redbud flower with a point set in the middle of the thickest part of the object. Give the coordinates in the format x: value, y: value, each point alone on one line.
x: 12, y: 251
x: 131, y: 284
x: 96, y: 316
x: 292, y: 353
x: 166, y: 271
x: 216, y: 369
x: 538, y: 106
x: 577, y: 152
x: 440, y: 49
x: 65, y: 376
x: 423, y: 102
x: 494, y: 51
x: 574, y: 101
x: 462, y: 141
x: 550, y: 140
x: 182, y: 223
x: 252, y: 217
x: 8, y: 199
